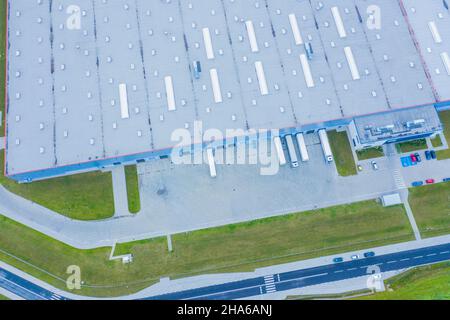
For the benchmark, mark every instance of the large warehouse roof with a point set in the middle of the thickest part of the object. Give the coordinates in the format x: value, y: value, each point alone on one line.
x: 123, y: 78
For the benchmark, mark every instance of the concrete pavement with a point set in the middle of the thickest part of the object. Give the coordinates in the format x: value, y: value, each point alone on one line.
x: 179, y: 199
x: 120, y: 191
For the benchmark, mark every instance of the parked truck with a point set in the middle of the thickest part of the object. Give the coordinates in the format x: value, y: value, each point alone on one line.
x: 211, y: 163
x: 302, y: 147
x: 279, y: 150
x: 291, y: 150
x: 325, y: 145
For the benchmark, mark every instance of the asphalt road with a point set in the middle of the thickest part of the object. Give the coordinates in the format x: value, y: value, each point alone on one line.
x: 313, y: 276
x: 267, y: 284
x: 24, y: 288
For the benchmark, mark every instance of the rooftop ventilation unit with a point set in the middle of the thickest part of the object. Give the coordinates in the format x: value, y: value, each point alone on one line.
x: 415, y: 124
x: 385, y: 129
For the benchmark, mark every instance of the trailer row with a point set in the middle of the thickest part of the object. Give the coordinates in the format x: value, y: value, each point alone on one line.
x: 289, y: 143
x: 301, y: 147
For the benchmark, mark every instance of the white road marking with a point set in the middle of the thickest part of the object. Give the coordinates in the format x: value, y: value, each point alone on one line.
x: 398, y: 178
x: 269, y: 282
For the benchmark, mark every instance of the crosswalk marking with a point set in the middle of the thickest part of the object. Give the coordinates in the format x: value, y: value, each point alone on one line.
x: 269, y: 282
x: 399, y: 181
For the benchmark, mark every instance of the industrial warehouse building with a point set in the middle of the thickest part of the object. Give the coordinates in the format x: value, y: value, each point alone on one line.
x: 98, y: 83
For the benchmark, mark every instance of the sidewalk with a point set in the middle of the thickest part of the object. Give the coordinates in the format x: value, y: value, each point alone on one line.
x: 404, y: 195
x: 120, y: 191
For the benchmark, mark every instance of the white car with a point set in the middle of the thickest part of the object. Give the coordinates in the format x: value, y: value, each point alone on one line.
x: 355, y: 257
x: 374, y: 165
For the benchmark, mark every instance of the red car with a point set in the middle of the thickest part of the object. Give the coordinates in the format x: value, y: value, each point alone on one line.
x: 429, y: 181
x: 413, y: 157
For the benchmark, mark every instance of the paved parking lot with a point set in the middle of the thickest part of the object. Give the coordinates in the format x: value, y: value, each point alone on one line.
x: 427, y: 169
x: 179, y: 197
x: 183, y: 198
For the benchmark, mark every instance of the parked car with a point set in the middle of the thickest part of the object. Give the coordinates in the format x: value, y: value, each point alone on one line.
x: 374, y: 165
x: 428, y: 155
x: 360, y: 168
x: 433, y: 154
x: 338, y: 260
x: 413, y: 157
x: 429, y: 181
x: 417, y: 183
x: 418, y: 157
x: 355, y: 257
x: 369, y: 254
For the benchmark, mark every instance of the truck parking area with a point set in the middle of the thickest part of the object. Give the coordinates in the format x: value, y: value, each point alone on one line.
x: 177, y: 197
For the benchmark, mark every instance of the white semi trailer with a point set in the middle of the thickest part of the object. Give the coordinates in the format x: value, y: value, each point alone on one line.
x: 279, y: 150
x: 211, y: 163
x: 325, y: 145
x: 302, y: 147
x: 291, y: 150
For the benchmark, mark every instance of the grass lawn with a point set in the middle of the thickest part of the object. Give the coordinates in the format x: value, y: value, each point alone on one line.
x: 423, y: 283
x: 87, y: 196
x: 437, y: 142
x: 431, y: 208
x: 134, y: 202
x: 370, y: 153
x: 445, y: 119
x: 2, y: 65
x: 342, y: 153
x: 3, y: 298
x: 238, y: 247
x: 411, y: 146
